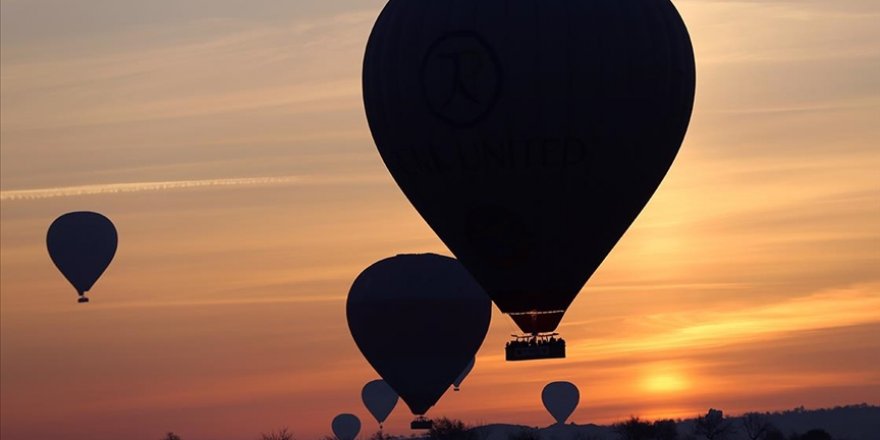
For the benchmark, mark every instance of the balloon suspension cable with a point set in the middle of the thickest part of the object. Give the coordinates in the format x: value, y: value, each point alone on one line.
x: 535, y: 336
x: 536, y: 312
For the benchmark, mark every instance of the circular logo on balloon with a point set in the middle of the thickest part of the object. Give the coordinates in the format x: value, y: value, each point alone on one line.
x: 461, y: 78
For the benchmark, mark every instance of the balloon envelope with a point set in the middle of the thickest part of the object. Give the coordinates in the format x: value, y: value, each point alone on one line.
x: 467, y: 370
x: 529, y: 135
x: 560, y: 399
x: 346, y: 426
x: 82, y: 245
x: 418, y: 320
x: 379, y: 398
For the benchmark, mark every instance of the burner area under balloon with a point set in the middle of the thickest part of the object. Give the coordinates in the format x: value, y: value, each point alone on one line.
x: 537, y: 346
x: 421, y: 423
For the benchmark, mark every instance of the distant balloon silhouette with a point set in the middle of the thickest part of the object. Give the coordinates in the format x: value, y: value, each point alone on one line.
x: 529, y: 135
x: 380, y: 399
x: 456, y: 385
x: 418, y: 320
x: 560, y: 399
x: 82, y: 245
x: 346, y: 426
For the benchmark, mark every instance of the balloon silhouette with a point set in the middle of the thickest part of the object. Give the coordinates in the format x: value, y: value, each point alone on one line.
x: 418, y: 320
x: 82, y: 244
x: 346, y: 426
x: 456, y: 385
x: 529, y: 135
x: 380, y: 399
x: 560, y: 399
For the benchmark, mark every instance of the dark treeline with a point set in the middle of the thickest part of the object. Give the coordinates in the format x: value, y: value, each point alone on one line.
x: 851, y: 422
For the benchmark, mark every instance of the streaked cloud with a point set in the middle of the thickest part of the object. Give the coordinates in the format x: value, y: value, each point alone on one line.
x: 838, y: 307
x: 130, y: 187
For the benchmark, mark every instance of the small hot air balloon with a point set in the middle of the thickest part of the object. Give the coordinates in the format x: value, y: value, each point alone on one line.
x: 418, y: 320
x: 346, y: 426
x: 529, y: 135
x: 380, y: 399
x: 82, y: 245
x: 456, y: 386
x: 560, y: 399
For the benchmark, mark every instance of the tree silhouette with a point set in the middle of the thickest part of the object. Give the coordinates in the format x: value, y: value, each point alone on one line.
x: 665, y: 429
x: 281, y: 434
x: 756, y: 425
x: 713, y: 425
x: 380, y: 435
x: 171, y: 436
x: 634, y: 429
x: 449, y: 429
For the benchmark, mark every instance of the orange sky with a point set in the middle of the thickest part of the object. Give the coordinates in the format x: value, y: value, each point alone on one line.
x: 227, y: 142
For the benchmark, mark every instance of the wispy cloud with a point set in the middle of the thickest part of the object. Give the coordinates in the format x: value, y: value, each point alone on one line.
x: 856, y: 103
x: 129, y: 187
x: 244, y: 301
x: 756, y: 32
x: 232, y: 66
x: 833, y: 308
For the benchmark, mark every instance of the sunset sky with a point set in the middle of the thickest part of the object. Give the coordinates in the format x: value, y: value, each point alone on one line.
x: 227, y: 141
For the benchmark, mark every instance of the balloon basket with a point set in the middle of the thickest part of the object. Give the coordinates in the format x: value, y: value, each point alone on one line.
x: 82, y: 299
x: 532, y: 347
x: 421, y: 423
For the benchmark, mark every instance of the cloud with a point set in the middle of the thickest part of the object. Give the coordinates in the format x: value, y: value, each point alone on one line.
x: 857, y: 103
x: 780, y: 32
x: 231, y: 67
x: 129, y: 187
x: 243, y: 301
x: 710, y: 328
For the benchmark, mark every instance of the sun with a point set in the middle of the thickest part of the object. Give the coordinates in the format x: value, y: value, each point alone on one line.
x: 664, y: 382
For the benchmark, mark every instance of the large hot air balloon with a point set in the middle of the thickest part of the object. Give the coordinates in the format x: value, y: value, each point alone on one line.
x: 456, y: 385
x: 529, y: 135
x: 346, y: 426
x: 560, y: 399
x: 418, y: 320
x: 380, y: 399
x: 82, y: 244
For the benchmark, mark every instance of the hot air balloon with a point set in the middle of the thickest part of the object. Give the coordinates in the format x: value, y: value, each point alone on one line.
x: 380, y: 399
x: 456, y: 385
x: 82, y: 244
x: 418, y: 320
x: 529, y: 135
x: 346, y: 426
x: 560, y: 399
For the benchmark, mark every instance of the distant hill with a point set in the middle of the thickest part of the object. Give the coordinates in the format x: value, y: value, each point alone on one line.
x: 852, y: 422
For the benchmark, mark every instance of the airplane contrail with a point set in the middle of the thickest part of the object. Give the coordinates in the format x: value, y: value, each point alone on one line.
x: 116, y: 188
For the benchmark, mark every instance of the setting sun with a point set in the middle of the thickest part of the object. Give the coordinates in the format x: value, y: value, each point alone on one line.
x: 663, y: 380
x: 254, y: 161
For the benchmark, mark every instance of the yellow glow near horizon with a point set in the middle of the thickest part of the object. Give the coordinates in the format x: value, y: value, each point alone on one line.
x: 664, y: 379
x: 664, y: 383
